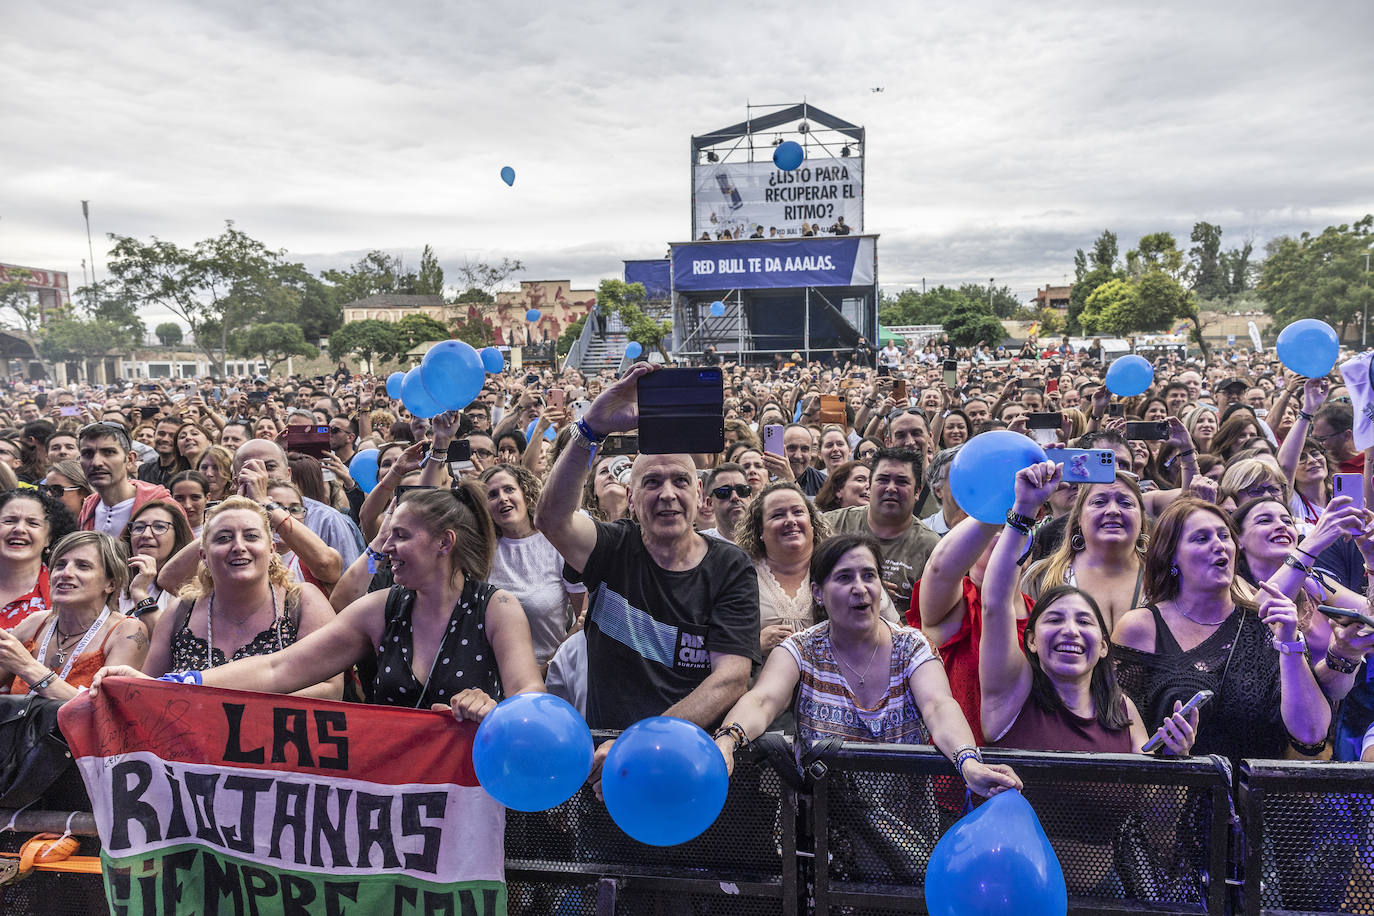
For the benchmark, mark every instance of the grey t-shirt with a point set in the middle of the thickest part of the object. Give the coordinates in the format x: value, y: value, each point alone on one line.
x: 904, y: 557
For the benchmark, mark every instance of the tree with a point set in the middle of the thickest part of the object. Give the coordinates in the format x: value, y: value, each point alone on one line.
x: 625, y: 300
x: 220, y: 284
x: 1110, y: 309
x: 1004, y: 301
x: 486, y: 278
x: 366, y: 338
x: 968, y: 324
x: 1319, y: 276
x: 474, y: 329
x: 319, y: 311
x: 931, y: 307
x: 570, y: 335
x: 1207, y: 275
x: 1090, y: 271
x: 169, y: 332
x: 375, y: 272
x: 273, y: 343
x: 431, y: 278
x: 80, y: 339
x: 20, y: 309
x: 413, y: 330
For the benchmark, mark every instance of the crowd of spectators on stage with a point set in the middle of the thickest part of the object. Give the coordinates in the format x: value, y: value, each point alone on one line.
x: 827, y: 582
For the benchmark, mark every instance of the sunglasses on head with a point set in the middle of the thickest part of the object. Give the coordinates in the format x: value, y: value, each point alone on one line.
x: 739, y: 489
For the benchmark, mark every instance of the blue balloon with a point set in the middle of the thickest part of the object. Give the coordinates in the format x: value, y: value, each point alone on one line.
x: 415, y: 398
x: 633, y: 349
x: 492, y: 360
x: 393, y: 384
x: 363, y: 469
x: 717, y: 309
x: 508, y: 175
x: 788, y: 155
x: 996, y: 859
x: 533, y: 315
x: 982, y: 476
x: 453, y: 374
x: 664, y: 781
x: 1129, y: 376
x: 1309, y: 347
x: 532, y: 752
x: 550, y: 433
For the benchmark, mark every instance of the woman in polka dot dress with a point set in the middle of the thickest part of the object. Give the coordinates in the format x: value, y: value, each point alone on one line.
x: 443, y: 637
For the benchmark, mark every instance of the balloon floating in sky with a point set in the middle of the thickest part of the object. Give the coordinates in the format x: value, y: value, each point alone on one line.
x: 533, y: 315
x: 1130, y: 375
x: 532, y: 752
x: 393, y: 384
x: 788, y: 155
x: 633, y: 349
x: 717, y: 309
x: 508, y: 175
x: 983, y: 475
x: 492, y: 360
x: 996, y: 859
x: 664, y: 781
x: 1309, y: 347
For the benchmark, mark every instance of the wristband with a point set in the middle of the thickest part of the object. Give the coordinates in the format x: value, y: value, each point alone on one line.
x: 592, y: 438
x: 1021, y: 523
x: 143, y: 607
x: 1305, y: 415
x: 185, y: 677
x: 1341, y: 665
x: 963, y: 755
x: 1307, y: 553
x: 1294, y: 562
x: 44, y: 682
x: 734, y: 730
x: 1296, y: 647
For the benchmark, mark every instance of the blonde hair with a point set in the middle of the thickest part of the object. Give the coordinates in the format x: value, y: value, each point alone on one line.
x: 112, y: 556
x: 1044, y: 574
x: 203, y: 584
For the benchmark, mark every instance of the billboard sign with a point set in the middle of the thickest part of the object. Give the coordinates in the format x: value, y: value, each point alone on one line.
x: 713, y: 266
x: 747, y: 197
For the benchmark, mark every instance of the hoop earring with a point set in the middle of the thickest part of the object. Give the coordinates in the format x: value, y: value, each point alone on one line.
x: 1077, y: 542
x: 1173, y: 570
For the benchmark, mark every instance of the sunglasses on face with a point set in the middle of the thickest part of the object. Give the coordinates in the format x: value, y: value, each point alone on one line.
x: 739, y: 489
x: 55, y: 490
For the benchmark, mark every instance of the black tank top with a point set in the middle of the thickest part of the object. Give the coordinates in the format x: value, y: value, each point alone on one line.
x: 465, y: 658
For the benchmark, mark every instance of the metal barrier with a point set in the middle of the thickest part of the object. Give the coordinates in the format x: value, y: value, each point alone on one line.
x: 1133, y: 834
x: 1309, y: 836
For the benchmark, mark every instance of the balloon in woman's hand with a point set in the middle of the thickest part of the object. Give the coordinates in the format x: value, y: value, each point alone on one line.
x: 363, y: 469
x: 415, y: 398
x: 664, y: 781
x: 1309, y: 347
x: 982, y: 478
x: 453, y: 374
x: 996, y: 859
x: 532, y: 752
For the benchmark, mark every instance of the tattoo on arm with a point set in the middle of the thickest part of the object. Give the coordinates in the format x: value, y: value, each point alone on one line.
x: 140, y: 640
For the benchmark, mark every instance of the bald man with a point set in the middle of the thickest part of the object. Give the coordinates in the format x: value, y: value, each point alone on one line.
x: 673, y: 623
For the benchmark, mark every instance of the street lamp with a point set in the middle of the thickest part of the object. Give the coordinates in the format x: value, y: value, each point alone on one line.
x: 992, y: 280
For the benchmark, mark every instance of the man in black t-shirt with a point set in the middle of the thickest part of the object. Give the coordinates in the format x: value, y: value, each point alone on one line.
x: 673, y: 620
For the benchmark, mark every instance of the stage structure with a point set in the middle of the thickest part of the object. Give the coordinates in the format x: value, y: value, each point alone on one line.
x: 785, y: 252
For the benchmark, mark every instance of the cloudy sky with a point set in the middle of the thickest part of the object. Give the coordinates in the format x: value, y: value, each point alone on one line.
x: 1006, y: 135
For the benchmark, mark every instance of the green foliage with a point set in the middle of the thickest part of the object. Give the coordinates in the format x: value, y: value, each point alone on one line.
x: 475, y: 331
x: 1109, y: 309
x: 19, y: 309
x: 970, y: 324
x: 1004, y: 302
x: 169, y: 333
x: 626, y: 300
x: 273, y: 343
x: 1321, y: 276
x: 1052, y: 324
x: 431, y: 277
x: 570, y: 335
x: 367, y: 338
x: 71, y: 338
x: 105, y: 301
x: 413, y: 330
x: 319, y: 309
x: 963, y: 312
x: 375, y: 272
x: 1157, y: 252
x: 1090, y: 271
x: 473, y: 294
x: 220, y: 284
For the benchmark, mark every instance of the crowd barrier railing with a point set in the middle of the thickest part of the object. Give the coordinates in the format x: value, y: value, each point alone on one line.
x: 1133, y: 834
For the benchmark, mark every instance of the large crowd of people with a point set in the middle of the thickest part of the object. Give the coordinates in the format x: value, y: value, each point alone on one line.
x: 824, y: 580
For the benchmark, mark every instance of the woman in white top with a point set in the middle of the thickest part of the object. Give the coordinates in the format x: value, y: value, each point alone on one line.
x: 526, y: 564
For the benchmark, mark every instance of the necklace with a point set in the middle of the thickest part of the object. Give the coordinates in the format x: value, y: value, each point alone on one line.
x: 70, y: 658
x: 1202, y: 623
x: 840, y: 659
x: 210, y: 628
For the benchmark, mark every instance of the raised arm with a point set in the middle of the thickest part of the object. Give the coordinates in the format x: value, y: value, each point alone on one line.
x: 573, y: 534
x: 1305, y: 711
x: 941, y: 589
x: 1004, y: 673
x: 1313, y: 397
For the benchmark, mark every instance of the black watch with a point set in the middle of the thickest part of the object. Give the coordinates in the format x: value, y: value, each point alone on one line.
x: 1022, y: 523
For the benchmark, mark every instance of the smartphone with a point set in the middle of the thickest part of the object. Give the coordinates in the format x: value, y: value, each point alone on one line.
x: 1148, y: 430
x: 772, y: 439
x: 308, y: 440
x: 1045, y: 427
x: 832, y: 409
x: 682, y: 411
x: 148, y: 388
x: 1351, y: 485
x: 1116, y: 410
x: 579, y: 408
x: 459, y: 457
x: 257, y: 397
x: 619, y: 444
x: 1198, y: 701
x: 950, y: 373
x: 69, y: 411
x: 148, y: 413
x: 557, y: 397
x: 402, y: 490
x: 899, y: 390
x: 1085, y: 465
x: 1345, y: 616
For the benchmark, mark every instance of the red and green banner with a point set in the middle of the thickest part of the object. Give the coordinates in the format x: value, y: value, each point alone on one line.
x: 214, y: 801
